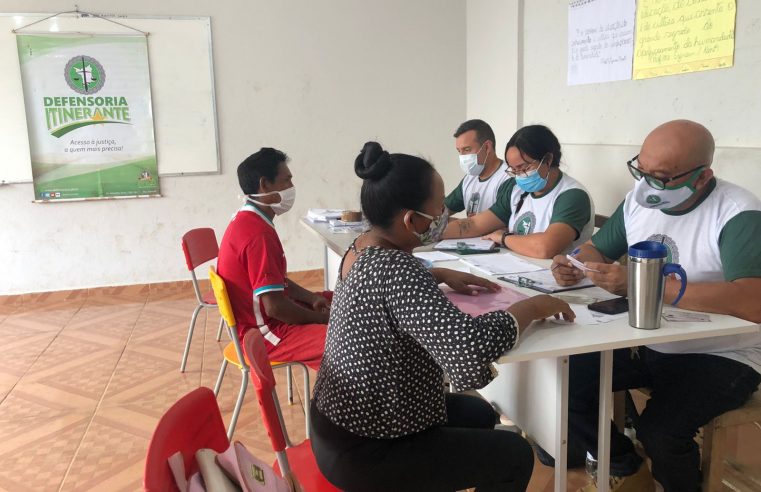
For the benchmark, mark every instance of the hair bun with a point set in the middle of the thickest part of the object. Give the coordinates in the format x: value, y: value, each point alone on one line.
x: 373, y: 162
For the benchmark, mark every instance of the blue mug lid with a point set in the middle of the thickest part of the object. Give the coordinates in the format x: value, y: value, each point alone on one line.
x: 648, y: 249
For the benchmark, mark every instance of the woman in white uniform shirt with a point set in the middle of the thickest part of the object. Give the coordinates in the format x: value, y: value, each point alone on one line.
x: 541, y: 211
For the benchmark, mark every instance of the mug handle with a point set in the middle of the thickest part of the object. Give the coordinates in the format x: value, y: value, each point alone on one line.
x: 676, y: 268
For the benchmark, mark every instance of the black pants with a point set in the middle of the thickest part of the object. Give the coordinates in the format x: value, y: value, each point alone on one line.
x: 467, y: 452
x: 688, y: 390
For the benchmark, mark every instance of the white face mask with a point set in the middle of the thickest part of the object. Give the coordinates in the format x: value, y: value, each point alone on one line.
x: 667, y: 199
x: 287, y: 197
x: 469, y: 163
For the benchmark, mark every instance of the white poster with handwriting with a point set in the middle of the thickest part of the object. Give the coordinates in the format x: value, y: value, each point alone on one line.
x: 600, y: 40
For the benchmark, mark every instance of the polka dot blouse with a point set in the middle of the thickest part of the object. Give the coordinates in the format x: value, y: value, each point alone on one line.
x: 392, y: 334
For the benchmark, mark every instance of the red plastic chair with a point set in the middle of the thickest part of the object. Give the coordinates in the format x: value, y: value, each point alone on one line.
x: 192, y: 423
x: 297, y: 460
x: 199, y: 247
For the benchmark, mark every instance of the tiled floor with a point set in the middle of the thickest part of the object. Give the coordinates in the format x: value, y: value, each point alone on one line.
x: 84, y: 377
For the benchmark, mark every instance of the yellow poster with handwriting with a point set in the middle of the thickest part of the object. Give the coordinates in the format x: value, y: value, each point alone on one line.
x: 680, y: 36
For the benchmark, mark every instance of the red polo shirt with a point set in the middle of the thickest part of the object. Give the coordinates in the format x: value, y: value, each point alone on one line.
x: 252, y: 262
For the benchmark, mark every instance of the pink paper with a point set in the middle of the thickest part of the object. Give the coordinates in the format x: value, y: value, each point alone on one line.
x: 485, y: 301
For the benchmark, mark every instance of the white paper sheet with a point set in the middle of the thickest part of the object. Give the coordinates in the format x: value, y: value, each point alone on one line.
x: 600, y: 40
x: 435, y: 256
x: 500, y: 264
x: 584, y: 316
x: 323, y: 214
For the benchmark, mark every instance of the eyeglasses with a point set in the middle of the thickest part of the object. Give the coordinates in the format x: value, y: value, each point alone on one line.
x: 657, y: 183
x: 513, y: 174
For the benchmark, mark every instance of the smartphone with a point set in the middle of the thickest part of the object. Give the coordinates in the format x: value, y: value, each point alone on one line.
x: 611, y: 306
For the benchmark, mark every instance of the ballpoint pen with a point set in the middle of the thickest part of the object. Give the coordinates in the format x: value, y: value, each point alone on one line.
x: 573, y: 253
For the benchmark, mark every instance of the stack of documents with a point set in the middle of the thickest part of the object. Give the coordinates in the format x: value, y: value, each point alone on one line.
x: 500, y: 264
x: 323, y: 214
x: 337, y: 225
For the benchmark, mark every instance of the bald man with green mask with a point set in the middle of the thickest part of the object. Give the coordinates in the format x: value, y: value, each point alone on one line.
x: 713, y: 229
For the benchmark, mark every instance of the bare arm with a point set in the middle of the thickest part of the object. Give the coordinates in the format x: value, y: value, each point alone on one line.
x: 279, y: 306
x: 545, y: 244
x: 299, y: 293
x: 737, y: 298
x: 475, y: 226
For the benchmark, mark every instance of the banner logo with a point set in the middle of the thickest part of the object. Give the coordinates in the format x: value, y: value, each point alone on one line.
x: 85, y: 74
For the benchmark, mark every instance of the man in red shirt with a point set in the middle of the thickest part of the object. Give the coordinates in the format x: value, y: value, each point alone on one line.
x: 251, y: 260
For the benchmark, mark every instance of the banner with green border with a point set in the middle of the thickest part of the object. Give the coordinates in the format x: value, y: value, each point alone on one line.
x: 89, y: 116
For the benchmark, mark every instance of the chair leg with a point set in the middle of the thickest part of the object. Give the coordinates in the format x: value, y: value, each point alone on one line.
x: 238, y: 405
x: 190, y: 337
x: 219, y: 330
x: 307, y: 398
x: 619, y: 409
x: 220, y: 377
x: 714, y: 441
x: 289, y: 382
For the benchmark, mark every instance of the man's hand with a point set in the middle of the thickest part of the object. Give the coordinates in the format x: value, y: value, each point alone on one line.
x: 320, y: 304
x: 463, y: 282
x: 495, y: 236
x: 565, y: 274
x: 611, y: 277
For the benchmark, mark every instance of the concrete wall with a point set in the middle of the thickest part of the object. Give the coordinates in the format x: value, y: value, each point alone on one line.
x: 314, y: 79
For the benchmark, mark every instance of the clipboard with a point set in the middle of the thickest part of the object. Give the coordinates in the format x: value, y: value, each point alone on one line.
x: 545, y: 288
x: 466, y: 251
x: 465, y: 246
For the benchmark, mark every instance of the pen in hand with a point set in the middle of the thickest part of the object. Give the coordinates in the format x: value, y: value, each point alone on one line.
x: 573, y: 253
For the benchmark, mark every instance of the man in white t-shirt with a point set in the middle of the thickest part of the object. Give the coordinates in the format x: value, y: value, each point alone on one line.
x: 713, y: 229
x: 484, y: 170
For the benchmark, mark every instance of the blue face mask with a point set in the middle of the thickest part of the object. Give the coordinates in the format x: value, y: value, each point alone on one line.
x: 532, y: 181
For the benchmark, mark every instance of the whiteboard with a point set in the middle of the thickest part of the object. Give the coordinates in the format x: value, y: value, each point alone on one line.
x: 182, y: 89
x: 726, y: 101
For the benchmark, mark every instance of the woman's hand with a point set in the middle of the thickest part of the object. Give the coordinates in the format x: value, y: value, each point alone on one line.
x: 464, y: 282
x: 540, y: 307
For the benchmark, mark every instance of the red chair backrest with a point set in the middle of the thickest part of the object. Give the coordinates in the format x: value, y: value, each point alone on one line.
x: 192, y: 423
x: 199, y: 245
x: 264, y: 384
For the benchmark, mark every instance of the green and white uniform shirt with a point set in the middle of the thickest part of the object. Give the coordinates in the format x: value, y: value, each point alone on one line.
x: 475, y: 195
x: 717, y: 240
x: 567, y: 202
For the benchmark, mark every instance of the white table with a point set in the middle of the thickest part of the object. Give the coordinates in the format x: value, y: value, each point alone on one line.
x: 334, y: 245
x: 532, y: 387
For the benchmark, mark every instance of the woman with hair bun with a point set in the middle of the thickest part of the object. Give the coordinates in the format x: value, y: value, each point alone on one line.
x: 380, y: 417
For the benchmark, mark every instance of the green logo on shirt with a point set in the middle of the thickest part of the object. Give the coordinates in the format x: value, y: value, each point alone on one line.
x: 525, y: 224
x: 671, y: 247
x: 653, y: 199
